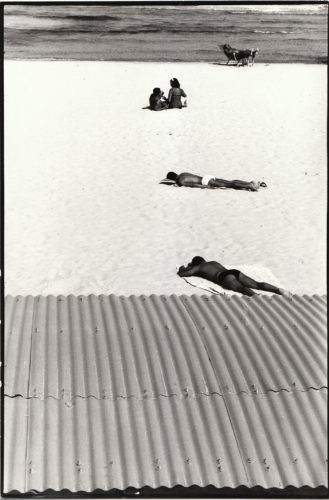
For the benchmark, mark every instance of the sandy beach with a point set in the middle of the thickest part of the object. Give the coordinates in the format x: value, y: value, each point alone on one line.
x: 84, y: 210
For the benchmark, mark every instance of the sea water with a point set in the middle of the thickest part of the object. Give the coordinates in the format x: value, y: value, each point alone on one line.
x: 295, y: 33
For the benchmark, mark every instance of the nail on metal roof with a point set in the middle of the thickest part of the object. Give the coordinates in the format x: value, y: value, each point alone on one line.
x: 108, y: 392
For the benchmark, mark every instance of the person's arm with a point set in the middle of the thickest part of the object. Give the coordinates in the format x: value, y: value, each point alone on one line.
x: 185, y: 271
x: 183, y: 93
x: 169, y: 95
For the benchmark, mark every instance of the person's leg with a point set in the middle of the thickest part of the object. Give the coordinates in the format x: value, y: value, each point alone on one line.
x: 230, y: 282
x: 253, y: 186
x: 266, y: 287
x: 235, y: 184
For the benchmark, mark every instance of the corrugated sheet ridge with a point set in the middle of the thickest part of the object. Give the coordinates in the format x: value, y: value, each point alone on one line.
x: 112, y: 347
x: 164, y: 435
x: 322, y: 298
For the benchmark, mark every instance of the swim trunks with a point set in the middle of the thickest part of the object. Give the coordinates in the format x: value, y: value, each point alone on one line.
x: 221, y: 275
x: 206, y: 179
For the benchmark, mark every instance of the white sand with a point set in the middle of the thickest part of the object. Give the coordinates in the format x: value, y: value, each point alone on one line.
x: 84, y: 212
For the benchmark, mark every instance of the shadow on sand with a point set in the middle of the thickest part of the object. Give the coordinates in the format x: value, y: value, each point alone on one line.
x: 234, y: 65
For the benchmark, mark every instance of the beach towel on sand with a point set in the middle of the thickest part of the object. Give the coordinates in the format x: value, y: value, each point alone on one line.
x: 256, y: 272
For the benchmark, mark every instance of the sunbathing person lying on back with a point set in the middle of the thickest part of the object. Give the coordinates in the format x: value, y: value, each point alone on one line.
x: 210, y: 181
x: 230, y: 279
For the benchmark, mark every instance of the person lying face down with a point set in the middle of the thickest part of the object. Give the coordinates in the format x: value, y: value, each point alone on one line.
x: 210, y: 181
x: 230, y: 279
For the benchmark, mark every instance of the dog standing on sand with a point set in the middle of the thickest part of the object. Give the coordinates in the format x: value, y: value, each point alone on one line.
x: 229, y: 52
x: 252, y: 56
x: 246, y: 57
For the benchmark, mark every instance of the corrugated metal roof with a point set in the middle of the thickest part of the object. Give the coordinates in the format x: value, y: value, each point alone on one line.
x: 226, y: 441
x: 111, y: 346
x: 159, y: 391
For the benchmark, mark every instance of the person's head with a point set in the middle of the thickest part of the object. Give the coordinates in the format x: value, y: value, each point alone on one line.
x: 156, y: 91
x: 196, y: 261
x: 175, y: 83
x: 172, y: 176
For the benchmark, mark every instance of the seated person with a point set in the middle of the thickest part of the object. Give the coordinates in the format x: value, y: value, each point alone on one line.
x: 230, y: 279
x: 210, y: 181
x: 175, y: 94
x: 157, y: 100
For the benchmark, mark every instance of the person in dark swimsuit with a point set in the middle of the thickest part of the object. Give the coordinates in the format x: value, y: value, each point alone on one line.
x: 175, y: 94
x: 230, y: 279
x: 210, y: 181
x: 157, y: 101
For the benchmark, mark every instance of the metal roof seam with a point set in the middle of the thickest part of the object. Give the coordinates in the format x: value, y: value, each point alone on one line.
x: 197, y: 362
x: 35, y: 308
x: 227, y: 411
x: 201, y: 338
x: 155, y: 431
x: 164, y: 396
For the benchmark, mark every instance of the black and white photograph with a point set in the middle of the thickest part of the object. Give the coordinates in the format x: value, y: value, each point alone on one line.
x: 164, y: 249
